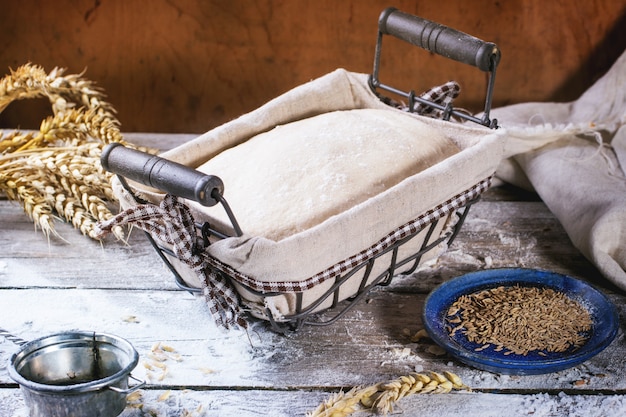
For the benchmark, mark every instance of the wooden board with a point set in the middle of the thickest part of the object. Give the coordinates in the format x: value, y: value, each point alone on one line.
x: 88, y: 287
x: 48, y: 286
x: 287, y: 403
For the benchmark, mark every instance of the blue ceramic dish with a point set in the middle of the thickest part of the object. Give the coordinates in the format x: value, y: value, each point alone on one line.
x: 602, y: 311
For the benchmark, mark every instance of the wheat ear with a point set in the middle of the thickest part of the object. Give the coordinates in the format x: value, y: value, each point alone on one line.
x: 381, y: 397
x: 57, y: 169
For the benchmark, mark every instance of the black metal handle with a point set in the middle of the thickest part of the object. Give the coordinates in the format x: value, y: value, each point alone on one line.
x: 162, y: 174
x: 439, y: 39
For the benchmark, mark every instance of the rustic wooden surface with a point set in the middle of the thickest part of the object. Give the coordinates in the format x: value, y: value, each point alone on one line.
x: 75, y: 283
x: 190, y: 65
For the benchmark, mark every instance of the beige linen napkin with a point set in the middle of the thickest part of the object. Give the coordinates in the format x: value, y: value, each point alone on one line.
x: 574, y: 156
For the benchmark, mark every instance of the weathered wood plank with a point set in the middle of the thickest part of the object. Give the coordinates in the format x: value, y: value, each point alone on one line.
x: 281, y: 403
x: 28, y: 258
x: 495, y: 234
x: 75, y: 283
x: 371, y: 343
x: 162, y: 141
x: 507, y: 234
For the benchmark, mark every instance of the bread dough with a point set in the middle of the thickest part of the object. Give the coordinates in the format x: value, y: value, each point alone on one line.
x: 297, y: 175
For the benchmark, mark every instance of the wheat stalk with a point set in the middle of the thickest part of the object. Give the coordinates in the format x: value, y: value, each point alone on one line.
x: 343, y: 404
x: 57, y: 169
x: 64, y: 91
x: 381, y: 397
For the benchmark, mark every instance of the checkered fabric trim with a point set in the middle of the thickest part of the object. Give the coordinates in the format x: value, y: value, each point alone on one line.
x: 171, y: 222
x: 443, y: 95
x: 408, y: 229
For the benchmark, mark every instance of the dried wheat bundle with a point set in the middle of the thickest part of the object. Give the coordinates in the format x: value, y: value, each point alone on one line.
x: 63, y: 91
x: 380, y: 398
x: 56, y: 170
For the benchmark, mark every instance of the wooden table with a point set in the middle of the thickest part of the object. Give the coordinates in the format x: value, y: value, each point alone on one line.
x: 75, y: 283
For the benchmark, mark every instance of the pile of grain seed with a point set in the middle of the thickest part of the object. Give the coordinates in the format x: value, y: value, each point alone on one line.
x: 520, y: 320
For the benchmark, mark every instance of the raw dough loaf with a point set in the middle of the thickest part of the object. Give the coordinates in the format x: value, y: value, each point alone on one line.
x: 297, y: 175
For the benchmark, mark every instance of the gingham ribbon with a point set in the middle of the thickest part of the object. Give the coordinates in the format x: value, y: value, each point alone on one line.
x: 171, y: 222
x: 410, y: 228
x: 443, y: 95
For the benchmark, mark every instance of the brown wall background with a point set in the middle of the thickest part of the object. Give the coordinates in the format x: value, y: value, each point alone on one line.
x: 190, y: 65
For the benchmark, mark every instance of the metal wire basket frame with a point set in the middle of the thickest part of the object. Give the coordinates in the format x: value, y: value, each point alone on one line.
x: 306, y: 315
x: 412, y: 29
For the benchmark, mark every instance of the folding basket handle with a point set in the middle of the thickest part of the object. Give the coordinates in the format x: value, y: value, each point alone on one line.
x: 162, y: 174
x: 442, y: 40
x: 439, y: 39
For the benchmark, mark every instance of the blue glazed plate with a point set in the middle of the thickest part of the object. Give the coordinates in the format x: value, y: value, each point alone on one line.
x: 602, y: 311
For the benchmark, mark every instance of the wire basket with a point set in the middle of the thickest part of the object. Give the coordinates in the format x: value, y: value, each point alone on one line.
x: 291, y: 303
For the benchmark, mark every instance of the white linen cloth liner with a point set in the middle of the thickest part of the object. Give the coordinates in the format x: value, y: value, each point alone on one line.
x: 304, y: 254
x: 574, y: 156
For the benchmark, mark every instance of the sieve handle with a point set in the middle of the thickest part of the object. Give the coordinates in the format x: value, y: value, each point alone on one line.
x: 439, y: 39
x: 162, y: 174
x: 130, y: 390
x: 12, y: 338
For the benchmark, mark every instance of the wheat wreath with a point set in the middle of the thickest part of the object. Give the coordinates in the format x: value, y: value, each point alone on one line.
x: 56, y: 171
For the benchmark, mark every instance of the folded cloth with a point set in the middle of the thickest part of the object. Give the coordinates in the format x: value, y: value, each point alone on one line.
x: 574, y: 156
